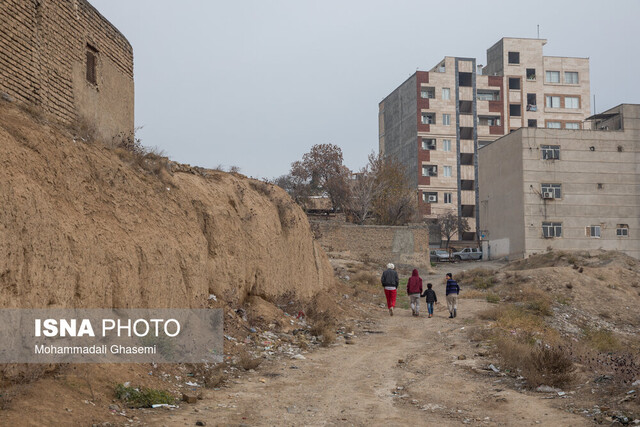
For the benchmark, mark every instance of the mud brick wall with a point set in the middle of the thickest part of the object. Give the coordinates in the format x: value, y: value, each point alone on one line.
x: 380, y: 244
x: 43, y: 62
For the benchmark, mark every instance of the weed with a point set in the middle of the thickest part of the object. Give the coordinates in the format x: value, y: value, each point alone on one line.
x: 479, y: 278
x: 493, y: 298
x: 472, y: 294
x: 142, y: 397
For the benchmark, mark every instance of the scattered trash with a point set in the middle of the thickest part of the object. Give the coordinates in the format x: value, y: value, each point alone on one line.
x: 213, y: 297
x: 192, y: 384
x: 546, y: 389
x: 163, y: 405
x: 201, y: 423
x: 262, y: 380
x: 493, y: 368
x: 298, y: 357
x: 562, y: 393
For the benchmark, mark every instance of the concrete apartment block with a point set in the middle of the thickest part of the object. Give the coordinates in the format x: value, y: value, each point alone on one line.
x: 435, y: 121
x: 66, y: 58
x: 563, y: 189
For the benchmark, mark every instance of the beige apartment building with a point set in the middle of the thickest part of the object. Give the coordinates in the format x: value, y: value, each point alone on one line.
x: 563, y: 188
x: 435, y: 122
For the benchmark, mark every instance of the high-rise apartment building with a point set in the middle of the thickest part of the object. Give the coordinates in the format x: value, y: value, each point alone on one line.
x: 435, y: 121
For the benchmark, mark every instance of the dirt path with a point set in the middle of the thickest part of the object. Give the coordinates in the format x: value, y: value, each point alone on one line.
x: 407, y: 372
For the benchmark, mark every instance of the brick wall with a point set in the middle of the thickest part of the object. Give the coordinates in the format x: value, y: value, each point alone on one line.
x: 381, y: 244
x: 43, y: 48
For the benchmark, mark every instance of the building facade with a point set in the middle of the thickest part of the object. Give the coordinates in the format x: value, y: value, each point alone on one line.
x: 67, y: 59
x: 435, y: 122
x: 562, y: 188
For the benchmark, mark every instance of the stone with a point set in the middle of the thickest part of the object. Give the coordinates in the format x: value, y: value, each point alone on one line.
x: 201, y: 423
x: 189, y: 398
x: 462, y: 357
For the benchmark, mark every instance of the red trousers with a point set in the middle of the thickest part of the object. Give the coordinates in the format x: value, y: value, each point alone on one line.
x: 391, y: 297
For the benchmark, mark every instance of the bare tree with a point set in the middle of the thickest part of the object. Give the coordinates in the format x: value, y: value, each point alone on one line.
x: 321, y: 171
x: 451, y: 224
x: 363, y: 190
x: 394, y: 201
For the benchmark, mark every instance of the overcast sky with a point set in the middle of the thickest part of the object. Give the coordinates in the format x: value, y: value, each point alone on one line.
x: 255, y: 84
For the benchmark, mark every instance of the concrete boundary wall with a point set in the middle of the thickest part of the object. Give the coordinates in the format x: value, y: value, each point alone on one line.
x: 379, y: 244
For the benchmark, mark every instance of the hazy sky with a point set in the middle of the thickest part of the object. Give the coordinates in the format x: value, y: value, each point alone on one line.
x: 255, y: 84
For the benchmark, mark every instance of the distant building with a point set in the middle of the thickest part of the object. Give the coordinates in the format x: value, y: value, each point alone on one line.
x: 435, y: 121
x: 562, y: 188
x: 66, y: 58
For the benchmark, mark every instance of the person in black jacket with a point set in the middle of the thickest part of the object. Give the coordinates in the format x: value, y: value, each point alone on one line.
x: 390, y: 282
x: 431, y: 298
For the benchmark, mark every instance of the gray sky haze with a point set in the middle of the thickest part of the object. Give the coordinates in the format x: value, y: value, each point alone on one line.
x: 256, y: 83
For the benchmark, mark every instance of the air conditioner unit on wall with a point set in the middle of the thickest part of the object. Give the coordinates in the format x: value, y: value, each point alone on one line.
x: 547, y: 195
x: 432, y: 199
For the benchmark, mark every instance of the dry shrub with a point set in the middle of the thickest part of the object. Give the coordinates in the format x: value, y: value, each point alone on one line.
x: 366, y: 277
x: 493, y: 298
x: 479, y: 333
x: 549, y: 365
x: 261, y: 187
x: 510, y: 317
x: 212, y: 375
x: 247, y: 362
x: 323, y: 325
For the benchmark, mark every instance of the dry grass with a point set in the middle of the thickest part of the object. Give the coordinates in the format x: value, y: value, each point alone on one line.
x: 479, y: 278
x: 493, y: 298
x: 472, y: 294
x: 323, y: 325
x: 602, y: 340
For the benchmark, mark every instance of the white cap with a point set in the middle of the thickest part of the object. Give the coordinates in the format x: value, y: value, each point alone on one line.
x: 391, y: 266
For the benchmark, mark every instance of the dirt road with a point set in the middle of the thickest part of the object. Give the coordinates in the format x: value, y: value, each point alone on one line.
x: 405, y: 371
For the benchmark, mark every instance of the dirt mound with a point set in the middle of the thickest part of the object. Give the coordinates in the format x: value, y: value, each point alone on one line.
x: 82, y: 226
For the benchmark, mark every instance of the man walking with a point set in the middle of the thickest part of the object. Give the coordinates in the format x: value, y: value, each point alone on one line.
x: 452, y: 296
x: 390, y: 283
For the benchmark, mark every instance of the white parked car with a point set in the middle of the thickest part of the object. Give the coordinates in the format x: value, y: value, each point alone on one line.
x: 467, y: 254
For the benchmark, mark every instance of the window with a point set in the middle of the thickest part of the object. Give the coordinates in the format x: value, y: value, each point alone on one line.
x: 446, y: 119
x: 514, y: 83
x: 532, y: 102
x: 551, y: 191
x: 428, y: 118
x: 571, y: 102
x: 428, y: 144
x: 488, y: 95
x: 515, y: 110
x: 447, y: 171
x: 446, y: 145
x: 448, y: 197
x: 514, y: 57
x: 429, y: 170
x: 622, y: 230
x: 550, y: 152
x: 593, y: 231
x: 572, y: 125
x: 532, y: 123
x: 427, y: 92
x: 464, y: 79
x: 552, y: 76
x: 446, y: 93
x: 551, y: 229
x: 531, y: 74
x: 554, y: 125
x: 571, y: 77
x: 92, y: 59
x: 488, y: 121
x: 430, y: 197
x: 553, y: 101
